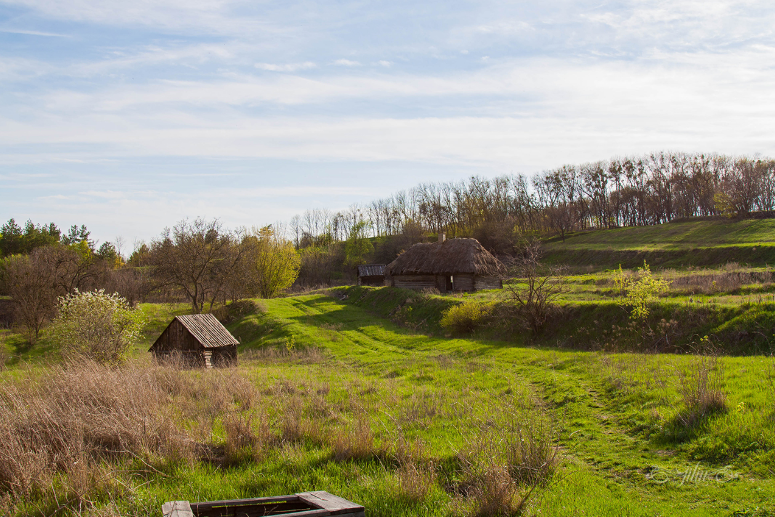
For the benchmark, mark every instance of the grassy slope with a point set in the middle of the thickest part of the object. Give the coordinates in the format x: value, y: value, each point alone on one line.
x: 616, y: 413
x: 686, y: 243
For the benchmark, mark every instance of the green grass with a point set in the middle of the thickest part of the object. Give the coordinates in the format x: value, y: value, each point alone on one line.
x: 676, y: 236
x: 382, y: 353
x: 677, y: 244
x: 614, y: 414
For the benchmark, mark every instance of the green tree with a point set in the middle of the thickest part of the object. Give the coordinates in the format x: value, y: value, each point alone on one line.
x: 76, y: 235
x: 358, y: 245
x: 96, y: 325
x: 277, y: 263
x: 10, y: 238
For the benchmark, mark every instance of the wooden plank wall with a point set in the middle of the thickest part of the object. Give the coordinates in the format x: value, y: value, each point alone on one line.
x: 487, y: 282
x: 176, y: 337
x: 415, y: 281
x: 463, y: 282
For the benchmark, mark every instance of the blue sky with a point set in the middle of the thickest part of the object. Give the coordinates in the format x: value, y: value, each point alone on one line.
x: 130, y: 116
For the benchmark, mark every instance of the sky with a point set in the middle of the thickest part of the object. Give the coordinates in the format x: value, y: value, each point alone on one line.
x: 128, y: 116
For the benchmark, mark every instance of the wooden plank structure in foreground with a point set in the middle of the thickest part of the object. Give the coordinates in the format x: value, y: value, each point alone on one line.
x: 305, y: 504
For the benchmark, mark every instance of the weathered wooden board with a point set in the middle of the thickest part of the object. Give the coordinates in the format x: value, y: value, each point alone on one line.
x: 334, y: 504
x: 305, y: 504
x: 177, y: 509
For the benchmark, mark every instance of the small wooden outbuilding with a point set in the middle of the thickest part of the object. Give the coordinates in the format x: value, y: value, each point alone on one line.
x: 197, y: 340
x: 448, y: 265
x: 371, y: 274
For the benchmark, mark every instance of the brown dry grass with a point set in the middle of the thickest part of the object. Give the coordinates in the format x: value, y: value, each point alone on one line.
x: 81, y: 414
x: 63, y: 429
x: 355, y: 442
x: 730, y: 280
x: 504, y: 461
x: 701, y: 389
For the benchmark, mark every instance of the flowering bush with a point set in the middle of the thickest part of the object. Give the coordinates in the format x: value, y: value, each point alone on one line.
x: 465, y: 317
x: 97, y: 325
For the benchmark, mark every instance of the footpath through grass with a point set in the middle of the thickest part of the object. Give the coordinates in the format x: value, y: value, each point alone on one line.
x: 617, y: 417
x: 342, y: 392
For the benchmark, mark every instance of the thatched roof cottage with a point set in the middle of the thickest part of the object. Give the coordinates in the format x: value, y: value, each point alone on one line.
x: 451, y: 265
x: 197, y: 340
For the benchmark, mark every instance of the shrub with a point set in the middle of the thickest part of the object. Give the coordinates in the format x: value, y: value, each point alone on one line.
x: 465, y: 317
x: 639, y: 293
x: 97, y: 325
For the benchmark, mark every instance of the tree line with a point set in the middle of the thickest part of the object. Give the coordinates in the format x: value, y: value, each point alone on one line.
x: 198, y: 261
x: 631, y: 191
x: 501, y: 212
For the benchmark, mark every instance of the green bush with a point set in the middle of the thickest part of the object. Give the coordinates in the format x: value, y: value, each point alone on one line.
x: 465, y: 317
x: 96, y: 325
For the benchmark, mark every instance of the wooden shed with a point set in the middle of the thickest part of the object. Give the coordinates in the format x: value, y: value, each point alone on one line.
x: 197, y: 340
x: 371, y: 274
x: 450, y: 265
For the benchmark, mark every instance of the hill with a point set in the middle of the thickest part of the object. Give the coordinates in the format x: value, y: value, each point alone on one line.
x: 692, y: 242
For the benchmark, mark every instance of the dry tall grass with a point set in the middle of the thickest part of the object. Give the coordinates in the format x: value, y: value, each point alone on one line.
x: 73, y: 422
x: 701, y: 389
x: 80, y: 414
x: 505, y: 460
x: 730, y: 280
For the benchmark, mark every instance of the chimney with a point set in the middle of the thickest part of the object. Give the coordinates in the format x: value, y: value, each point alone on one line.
x: 442, y: 237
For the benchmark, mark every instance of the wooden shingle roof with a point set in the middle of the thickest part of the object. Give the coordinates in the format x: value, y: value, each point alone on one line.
x: 207, y: 330
x: 371, y: 270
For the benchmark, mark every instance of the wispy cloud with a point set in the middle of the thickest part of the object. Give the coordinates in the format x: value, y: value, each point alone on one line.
x: 289, y: 67
x: 346, y: 62
x: 34, y: 33
x: 149, y: 84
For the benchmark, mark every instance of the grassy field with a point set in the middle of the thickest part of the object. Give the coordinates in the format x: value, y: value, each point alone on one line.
x: 344, y: 393
x: 677, y: 244
x: 362, y: 392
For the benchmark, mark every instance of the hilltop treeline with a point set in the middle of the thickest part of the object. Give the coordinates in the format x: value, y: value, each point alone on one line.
x: 633, y: 191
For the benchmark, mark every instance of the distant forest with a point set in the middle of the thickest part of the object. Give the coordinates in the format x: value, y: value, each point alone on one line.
x: 501, y: 213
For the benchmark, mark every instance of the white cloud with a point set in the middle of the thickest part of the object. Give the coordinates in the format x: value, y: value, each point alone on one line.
x: 289, y: 67
x: 346, y: 62
x: 386, y: 64
x: 34, y: 33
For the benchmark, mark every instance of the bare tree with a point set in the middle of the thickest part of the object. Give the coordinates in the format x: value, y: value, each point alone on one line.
x: 196, y: 258
x: 31, y: 281
x: 537, y: 289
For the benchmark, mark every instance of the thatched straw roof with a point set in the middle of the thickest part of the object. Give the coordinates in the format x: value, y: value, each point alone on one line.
x: 450, y: 257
